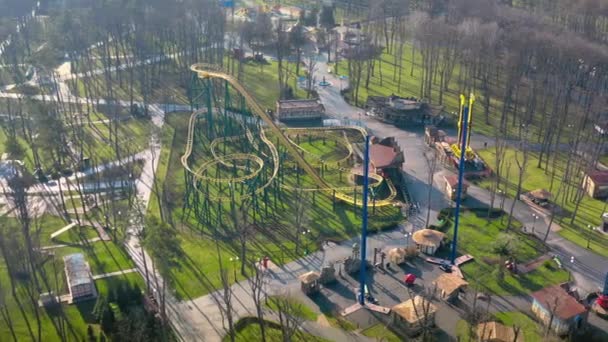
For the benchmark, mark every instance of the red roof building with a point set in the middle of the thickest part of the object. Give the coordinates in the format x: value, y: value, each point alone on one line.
x: 596, y: 183
x: 386, y: 155
x: 451, y: 186
x: 567, y: 312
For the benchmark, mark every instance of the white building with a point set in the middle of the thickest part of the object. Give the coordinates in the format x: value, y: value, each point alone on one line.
x: 79, y: 278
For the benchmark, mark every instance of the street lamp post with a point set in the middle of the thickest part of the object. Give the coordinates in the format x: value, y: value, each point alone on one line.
x: 304, y: 234
x: 407, y: 239
x: 534, y: 224
x: 234, y: 260
x: 502, y: 203
x: 592, y: 229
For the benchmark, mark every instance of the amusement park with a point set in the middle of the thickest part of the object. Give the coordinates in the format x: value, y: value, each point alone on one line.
x: 337, y: 170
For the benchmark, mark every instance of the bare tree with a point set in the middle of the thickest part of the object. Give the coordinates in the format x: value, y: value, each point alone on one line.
x: 256, y: 284
x: 226, y: 294
x: 432, y: 164
x: 290, y: 318
x: 521, y: 159
x: 311, y: 65
x: 300, y: 218
x: 243, y: 228
x: 423, y: 311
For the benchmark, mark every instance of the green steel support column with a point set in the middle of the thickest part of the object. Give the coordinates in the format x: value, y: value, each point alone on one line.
x: 266, y: 202
x: 219, y: 213
x: 255, y: 206
x: 210, y: 107
x: 334, y: 200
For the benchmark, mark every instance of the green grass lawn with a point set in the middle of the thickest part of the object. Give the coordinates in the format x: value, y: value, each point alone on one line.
x: 590, y: 210
x: 384, y: 81
x: 103, y: 257
x: 107, y: 285
x: 250, y: 331
x: 476, y: 237
x: 324, y: 149
x: 42, y: 228
x: 300, y: 309
x: 168, y: 87
x: 133, y: 137
x: 75, y: 318
x: 381, y: 332
x: 530, y: 330
x: 262, y: 82
x: 199, y: 271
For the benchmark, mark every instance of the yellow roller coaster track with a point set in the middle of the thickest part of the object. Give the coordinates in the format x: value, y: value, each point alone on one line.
x: 205, y: 71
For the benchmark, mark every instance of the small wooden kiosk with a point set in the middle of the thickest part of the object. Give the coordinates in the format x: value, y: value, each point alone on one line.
x: 310, y: 282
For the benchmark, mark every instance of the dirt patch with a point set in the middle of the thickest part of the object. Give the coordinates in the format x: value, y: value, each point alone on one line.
x: 322, y: 321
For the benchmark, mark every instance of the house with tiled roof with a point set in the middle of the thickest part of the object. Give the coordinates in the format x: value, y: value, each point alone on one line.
x: 558, y: 310
x: 386, y: 155
x: 595, y: 183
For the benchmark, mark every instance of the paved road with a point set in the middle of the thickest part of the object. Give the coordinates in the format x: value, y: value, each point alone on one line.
x: 201, y: 317
x: 588, y: 269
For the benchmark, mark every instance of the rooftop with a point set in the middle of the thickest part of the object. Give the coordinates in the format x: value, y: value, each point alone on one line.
x: 428, y: 237
x: 449, y: 283
x: 382, y: 156
x: 494, y: 331
x: 555, y: 297
x: 541, y: 194
x: 309, y: 277
x: 598, y: 177
x: 414, y: 314
x: 77, y: 269
x: 299, y: 104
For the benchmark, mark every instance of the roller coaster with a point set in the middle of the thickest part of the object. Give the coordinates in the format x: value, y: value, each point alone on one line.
x: 247, y: 168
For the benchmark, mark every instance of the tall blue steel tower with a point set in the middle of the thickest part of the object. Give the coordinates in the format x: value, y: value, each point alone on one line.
x: 463, y: 142
x: 364, y: 222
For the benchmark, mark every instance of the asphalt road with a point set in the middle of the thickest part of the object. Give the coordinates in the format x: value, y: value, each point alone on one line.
x: 588, y: 269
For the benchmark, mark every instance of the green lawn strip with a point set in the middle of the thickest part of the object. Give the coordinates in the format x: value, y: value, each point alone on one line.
x: 261, y: 80
x: 300, y: 310
x: 477, y: 236
x: 3, y: 139
x: 106, y: 285
x: 166, y: 153
x: 530, y: 330
x: 167, y: 88
x: 133, y: 137
x: 274, y: 240
x: 75, y: 317
x: 102, y: 256
x: 590, y: 209
x: 248, y: 330
x: 384, y: 82
x: 42, y: 228
x: 380, y: 332
x: 529, y: 327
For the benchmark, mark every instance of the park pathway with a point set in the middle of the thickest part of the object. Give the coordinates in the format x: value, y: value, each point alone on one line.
x: 200, y: 319
x: 588, y: 269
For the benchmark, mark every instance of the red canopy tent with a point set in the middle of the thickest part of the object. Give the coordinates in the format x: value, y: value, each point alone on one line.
x: 603, y: 301
x: 409, y: 279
